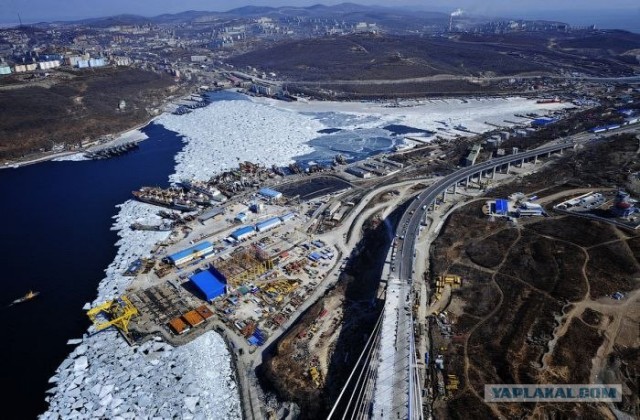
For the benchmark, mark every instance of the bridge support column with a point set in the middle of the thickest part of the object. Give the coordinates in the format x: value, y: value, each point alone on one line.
x: 508, y: 167
x: 466, y: 183
x: 561, y: 152
x: 455, y: 188
x: 522, y: 163
x: 535, y: 160
x: 549, y: 154
x: 493, y: 174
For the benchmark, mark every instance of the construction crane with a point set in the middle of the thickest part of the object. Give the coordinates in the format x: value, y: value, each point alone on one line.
x: 118, y: 313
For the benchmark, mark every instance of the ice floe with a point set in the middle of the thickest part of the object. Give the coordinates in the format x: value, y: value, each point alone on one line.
x: 105, y: 378
x: 424, y: 114
x: 225, y: 133
x: 153, y: 380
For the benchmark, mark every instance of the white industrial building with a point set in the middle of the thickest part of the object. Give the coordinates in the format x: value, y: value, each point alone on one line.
x: 268, y: 224
x: 21, y: 68
x: 46, y: 65
x: 529, y: 209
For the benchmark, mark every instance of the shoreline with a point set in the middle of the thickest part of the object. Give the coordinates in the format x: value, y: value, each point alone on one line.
x: 17, y: 165
x: 11, y: 164
x: 131, y: 244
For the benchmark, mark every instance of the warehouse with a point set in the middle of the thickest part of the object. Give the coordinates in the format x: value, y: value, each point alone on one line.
x: 286, y: 217
x: 210, y: 283
x: 243, y: 233
x: 270, y: 194
x: 358, y: 172
x: 210, y: 214
x: 530, y: 209
x: 192, y: 253
x: 268, y: 224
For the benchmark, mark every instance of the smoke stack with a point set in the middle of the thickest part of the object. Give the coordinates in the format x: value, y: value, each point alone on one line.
x: 456, y: 12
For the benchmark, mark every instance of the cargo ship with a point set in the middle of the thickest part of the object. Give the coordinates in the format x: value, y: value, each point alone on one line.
x: 165, y: 227
x: 200, y: 187
x: 158, y: 197
x: 30, y: 295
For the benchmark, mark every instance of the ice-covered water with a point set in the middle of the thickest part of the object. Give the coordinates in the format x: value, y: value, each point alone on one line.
x: 225, y: 133
x: 103, y: 377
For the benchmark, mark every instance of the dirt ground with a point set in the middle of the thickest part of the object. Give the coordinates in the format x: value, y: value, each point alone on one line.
x: 330, y: 335
x: 535, y: 305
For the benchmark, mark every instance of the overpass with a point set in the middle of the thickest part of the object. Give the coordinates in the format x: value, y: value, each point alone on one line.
x: 389, y: 385
x: 409, y: 225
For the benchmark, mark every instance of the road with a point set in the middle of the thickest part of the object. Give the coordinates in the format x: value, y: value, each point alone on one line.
x: 410, y: 223
x: 451, y: 77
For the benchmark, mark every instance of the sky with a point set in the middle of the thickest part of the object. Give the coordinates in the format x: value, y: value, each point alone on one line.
x: 50, y: 10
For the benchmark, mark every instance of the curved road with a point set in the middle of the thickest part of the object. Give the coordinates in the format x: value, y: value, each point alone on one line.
x: 409, y: 225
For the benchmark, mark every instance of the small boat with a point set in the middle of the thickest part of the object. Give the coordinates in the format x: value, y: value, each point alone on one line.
x: 30, y: 295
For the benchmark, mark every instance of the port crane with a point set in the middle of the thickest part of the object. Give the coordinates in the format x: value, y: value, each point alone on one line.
x: 118, y: 313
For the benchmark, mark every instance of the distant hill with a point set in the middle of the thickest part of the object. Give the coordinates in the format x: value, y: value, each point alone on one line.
x: 393, y: 57
x: 390, y: 18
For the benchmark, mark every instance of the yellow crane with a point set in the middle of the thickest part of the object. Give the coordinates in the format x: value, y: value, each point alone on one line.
x: 118, y: 313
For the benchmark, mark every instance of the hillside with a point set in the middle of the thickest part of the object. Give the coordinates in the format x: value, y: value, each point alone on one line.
x: 366, y: 56
x: 74, y: 107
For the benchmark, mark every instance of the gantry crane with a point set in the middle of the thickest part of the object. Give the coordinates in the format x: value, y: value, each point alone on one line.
x: 118, y: 313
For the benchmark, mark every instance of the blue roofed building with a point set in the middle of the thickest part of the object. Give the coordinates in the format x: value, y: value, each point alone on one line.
x: 502, y: 207
x: 542, y: 122
x: 268, y: 224
x: 209, y: 283
x: 270, y: 194
x: 191, y: 253
x: 243, y: 233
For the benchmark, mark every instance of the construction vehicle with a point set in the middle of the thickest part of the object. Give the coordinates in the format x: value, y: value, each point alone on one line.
x: 315, y: 376
x: 118, y: 313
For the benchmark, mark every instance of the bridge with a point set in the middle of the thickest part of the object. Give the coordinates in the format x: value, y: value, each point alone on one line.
x: 385, y: 383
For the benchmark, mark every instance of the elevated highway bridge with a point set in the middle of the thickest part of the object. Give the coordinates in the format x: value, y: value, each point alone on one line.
x: 385, y: 383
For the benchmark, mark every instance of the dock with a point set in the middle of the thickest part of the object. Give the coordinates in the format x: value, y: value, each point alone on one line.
x: 112, y: 151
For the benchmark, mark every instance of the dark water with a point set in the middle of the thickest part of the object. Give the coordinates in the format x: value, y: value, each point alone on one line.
x: 329, y: 130
x: 399, y: 129
x: 56, y: 239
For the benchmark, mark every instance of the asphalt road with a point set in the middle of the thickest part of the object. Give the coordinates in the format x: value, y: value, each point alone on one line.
x: 410, y: 223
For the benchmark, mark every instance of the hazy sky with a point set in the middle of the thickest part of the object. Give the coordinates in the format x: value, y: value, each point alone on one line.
x: 46, y: 10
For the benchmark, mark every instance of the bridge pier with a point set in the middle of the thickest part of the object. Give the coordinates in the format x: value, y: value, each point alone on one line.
x: 522, y: 163
x: 493, y: 175
x: 466, y: 183
x: 508, y: 167
x: 535, y: 160
x: 455, y: 188
x: 444, y: 196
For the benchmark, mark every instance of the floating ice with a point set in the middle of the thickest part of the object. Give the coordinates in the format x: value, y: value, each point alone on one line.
x: 225, y: 133
x: 110, y: 379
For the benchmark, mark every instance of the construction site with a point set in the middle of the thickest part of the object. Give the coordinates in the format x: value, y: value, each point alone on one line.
x: 244, y: 268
